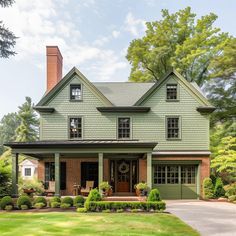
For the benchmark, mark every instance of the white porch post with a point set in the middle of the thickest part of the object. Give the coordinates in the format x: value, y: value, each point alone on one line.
x: 100, y: 168
x: 149, y: 169
x: 15, y: 170
x: 57, y: 174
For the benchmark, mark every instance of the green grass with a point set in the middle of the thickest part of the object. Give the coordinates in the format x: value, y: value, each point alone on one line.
x: 71, y: 223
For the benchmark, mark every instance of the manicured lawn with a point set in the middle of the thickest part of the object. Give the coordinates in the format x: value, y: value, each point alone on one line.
x: 71, y: 223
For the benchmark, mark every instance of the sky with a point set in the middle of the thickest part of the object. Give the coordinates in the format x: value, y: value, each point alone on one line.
x: 92, y: 35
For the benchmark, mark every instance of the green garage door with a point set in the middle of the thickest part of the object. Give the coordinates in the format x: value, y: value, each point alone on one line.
x: 175, y: 181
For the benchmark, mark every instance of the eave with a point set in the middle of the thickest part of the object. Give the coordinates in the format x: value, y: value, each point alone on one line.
x: 137, y: 109
x: 206, y: 109
x: 44, y: 109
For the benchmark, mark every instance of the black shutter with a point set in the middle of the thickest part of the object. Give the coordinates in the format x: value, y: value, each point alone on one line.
x: 63, y: 176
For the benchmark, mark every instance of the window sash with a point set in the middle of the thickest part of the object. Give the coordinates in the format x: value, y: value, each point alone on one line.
x: 124, y: 128
x: 171, y: 91
x: 75, y: 92
x: 173, y: 128
x: 27, y: 172
x: 75, y: 127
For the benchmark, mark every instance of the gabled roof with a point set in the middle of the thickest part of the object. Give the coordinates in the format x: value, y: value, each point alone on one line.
x: 196, y: 92
x: 123, y: 93
x: 74, y: 71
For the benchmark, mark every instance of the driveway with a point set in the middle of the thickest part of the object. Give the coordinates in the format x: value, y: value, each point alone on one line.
x: 208, y: 218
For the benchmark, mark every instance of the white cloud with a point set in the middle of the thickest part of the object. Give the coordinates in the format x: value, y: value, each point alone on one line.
x: 115, y: 33
x: 134, y: 25
x: 38, y: 24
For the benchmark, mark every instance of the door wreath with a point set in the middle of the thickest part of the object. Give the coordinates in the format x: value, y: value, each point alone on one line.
x: 123, y: 167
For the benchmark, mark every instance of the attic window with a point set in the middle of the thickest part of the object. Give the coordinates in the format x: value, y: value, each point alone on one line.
x: 75, y: 92
x: 171, y: 92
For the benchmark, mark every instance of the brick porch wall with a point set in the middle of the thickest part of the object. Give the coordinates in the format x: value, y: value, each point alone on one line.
x: 73, y: 171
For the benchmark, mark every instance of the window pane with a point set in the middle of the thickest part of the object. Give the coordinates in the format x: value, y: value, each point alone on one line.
x: 188, y: 174
x: 173, y: 128
x: 172, y: 175
x: 27, y: 171
x: 75, y: 92
x: 123, y: 127
x: 171, y: 91
x: 75, y: 127
x: 159, y: 174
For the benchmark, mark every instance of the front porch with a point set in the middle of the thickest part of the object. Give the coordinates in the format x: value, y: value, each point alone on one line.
x: 122, y: 163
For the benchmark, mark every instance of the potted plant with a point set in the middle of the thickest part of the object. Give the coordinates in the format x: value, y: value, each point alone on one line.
x: 106, y: 188
x: 141, y: 189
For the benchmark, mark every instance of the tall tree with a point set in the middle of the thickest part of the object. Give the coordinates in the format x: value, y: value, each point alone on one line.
x: 8, y: 126
x: 181, y: 41
x: 28, y: 128
x: 7, y: 38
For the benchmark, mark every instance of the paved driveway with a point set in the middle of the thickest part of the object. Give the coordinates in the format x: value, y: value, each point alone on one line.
x: 209, y: 218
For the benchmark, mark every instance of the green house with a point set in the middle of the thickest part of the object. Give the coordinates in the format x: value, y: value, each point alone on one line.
x: 120, y: 132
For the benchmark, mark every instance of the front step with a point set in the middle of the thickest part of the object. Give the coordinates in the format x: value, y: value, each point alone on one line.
x: 125, y: 199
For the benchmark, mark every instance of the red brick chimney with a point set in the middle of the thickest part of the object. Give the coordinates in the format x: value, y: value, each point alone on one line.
x: 54, y: 66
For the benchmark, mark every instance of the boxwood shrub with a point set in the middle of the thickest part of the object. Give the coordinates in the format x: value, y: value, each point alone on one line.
x: 67, y: 200
x: 114, y: 206
x: 154, y: 195
x: 40, y: 200
x: 55, y: 204
x: 39, y: 205
x: 54, y: 199
x: 6, y: 201
x: 65, y: 205
x: 79, y: 201
x: 24, y: 200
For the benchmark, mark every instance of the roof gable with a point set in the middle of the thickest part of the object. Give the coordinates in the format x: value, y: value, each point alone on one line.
x: 69, y: 76
x: 194, y: 91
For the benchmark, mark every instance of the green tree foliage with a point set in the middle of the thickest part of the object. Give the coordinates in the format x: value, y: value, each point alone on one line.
x: 8, y: 126
x: 7, y: 38
x: 28, y: 128
x: 181, y: 41
x: 208, y: 188
x: 219, y: 188
x: 225, y: 160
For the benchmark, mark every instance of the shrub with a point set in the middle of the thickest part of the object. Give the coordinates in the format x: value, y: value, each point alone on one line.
x: 106, y: 211
x: 141, y: 186
x: 134, y: 210
x: 65, y: 205
x: 81, y: 210
x: 39, y: 205
x: 208, y: 189
x: 219, y: 189
x: 6, y: 201
x: 79, y: 201
x: 8, y: 207
x: 232, y: 198
x: 24, y: 200
x: 120, y: 210
x: 67, y: 200
x: 94, y: 196
x: 54, y: 199
x: 145, y: 206
x: 40, y: 200
x: 104, y: 186
x: 24, y: 207
x: 31, y: 184
x: 230, y: 189
x: 154, y: 195
x: 55, y: 204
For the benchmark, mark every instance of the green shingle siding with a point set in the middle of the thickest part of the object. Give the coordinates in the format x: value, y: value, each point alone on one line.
x: 145, y: 126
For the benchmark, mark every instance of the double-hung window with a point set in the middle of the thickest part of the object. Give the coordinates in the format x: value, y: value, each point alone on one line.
x: 28, y: 172
x: 173, y: 128
x: 124, y: 128
x: 171, y: 92
x: 75, y: 127
x: 75, y: 92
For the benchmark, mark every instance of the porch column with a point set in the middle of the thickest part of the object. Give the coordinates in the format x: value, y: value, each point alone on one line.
x: 100, y: 168
x: 15, y: 170
x: 57, y: 174
x: 149, y: 169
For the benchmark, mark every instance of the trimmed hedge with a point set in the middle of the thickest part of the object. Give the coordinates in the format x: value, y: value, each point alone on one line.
x: 40, y: 200
x: 6, y: 201
x: 154, y: 195
x: 67, y: 200
x: 144, y: 206
x: 79, y: 201
x: 54, y: 199
x: 24, y: 200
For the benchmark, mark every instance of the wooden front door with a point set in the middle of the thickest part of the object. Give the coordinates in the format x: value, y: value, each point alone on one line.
x: 123, y: 176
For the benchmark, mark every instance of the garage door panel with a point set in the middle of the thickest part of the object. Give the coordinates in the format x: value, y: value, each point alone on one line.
x: 189, y: 191
x: 169, y: 191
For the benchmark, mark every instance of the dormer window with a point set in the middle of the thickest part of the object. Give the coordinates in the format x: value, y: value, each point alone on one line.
x: 75, y: 92
x: 171, y: 92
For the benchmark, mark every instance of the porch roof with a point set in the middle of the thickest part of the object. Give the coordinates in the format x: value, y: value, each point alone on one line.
x: 82, y: 144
